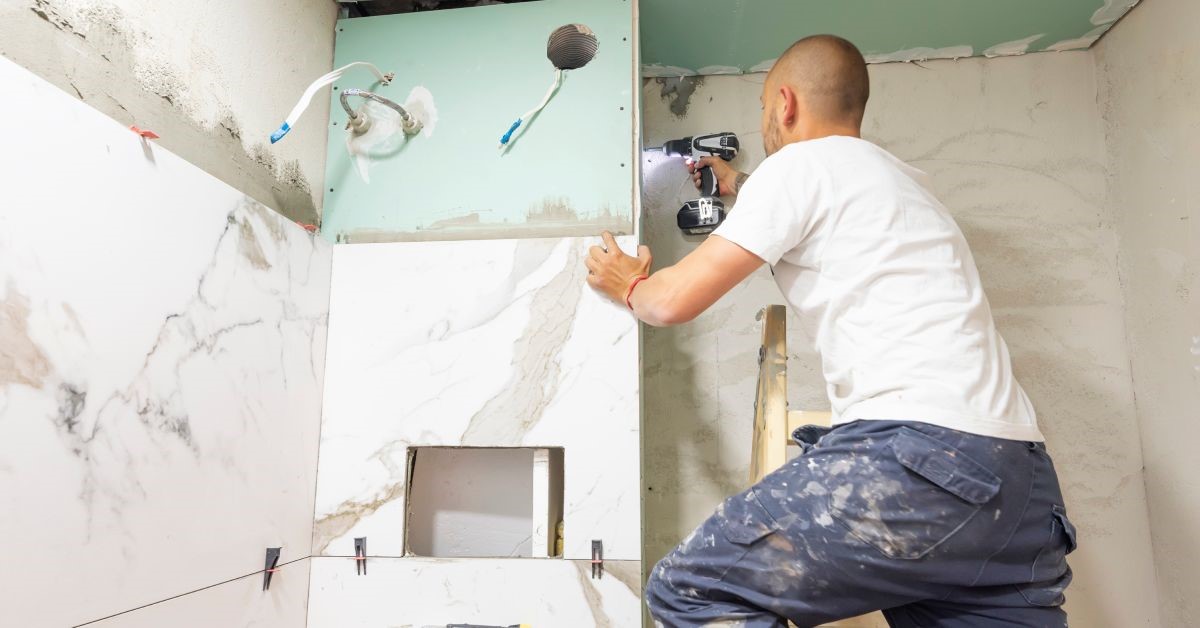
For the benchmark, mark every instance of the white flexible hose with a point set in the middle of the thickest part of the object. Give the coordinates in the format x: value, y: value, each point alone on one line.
x: 316, y: 86
x: 558, y: 75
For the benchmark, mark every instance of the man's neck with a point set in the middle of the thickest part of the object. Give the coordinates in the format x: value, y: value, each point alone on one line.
x: 816, y: 134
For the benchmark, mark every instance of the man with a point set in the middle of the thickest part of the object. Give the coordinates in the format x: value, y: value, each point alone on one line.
x: 932, y: 498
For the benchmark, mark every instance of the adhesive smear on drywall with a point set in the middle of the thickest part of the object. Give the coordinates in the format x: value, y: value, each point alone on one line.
x: 1112, y: 11
x: 921, y: 54
x: 385, y: 138
x: 1012, y: 48
x: 420, y: 105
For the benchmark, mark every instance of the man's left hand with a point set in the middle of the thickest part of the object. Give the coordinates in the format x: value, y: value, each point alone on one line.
x: 610, y: 271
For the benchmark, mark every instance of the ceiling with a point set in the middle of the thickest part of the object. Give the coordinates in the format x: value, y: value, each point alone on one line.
x: 368, y: 8
x: 686, y: 37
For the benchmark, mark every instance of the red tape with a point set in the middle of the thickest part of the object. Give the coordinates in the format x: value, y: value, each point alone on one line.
x: 146, y: 133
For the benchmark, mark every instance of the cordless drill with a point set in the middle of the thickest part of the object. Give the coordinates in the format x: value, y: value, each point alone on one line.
x: 702, y: 215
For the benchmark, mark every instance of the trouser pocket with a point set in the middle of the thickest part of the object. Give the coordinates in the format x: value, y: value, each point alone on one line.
x: 1049, y: 575
x: 719, y: 545
x: 912, y: 497
x: 744, y: 523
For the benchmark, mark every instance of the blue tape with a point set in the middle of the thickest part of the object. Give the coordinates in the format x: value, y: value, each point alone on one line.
x: 508, y: 136
x: 278, y: 135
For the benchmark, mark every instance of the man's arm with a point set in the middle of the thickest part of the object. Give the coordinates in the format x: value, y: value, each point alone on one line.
x: 676, y: 294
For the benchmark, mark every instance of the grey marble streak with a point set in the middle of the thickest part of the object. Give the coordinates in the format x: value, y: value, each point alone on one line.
x: 628, y: 573
x: 241, y: 333
x: 536, y: 373
x: 205, y: 329
x: 533, y: 382
x: 503, y: 345
x: 162, y: 348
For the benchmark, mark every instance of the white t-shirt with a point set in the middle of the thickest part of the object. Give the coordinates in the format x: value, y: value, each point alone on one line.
x: 885, y: 284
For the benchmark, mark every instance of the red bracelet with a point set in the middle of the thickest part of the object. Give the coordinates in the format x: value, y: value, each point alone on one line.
x: 633, y: 284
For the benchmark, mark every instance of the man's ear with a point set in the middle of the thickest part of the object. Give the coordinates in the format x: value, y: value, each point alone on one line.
x: 789, y: 100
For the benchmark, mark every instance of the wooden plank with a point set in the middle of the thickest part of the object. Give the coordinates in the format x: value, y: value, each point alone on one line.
x: 798, y: 418
x: 547, y: 500
x: 769, y: 449
x: 774, y: 424
x: 873, y: 620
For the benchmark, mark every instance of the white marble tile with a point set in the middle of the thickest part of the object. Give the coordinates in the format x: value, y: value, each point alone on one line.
x: 239, y: 603
x: 476, y: 343
x: 545, y: 593
x: 161, y: 362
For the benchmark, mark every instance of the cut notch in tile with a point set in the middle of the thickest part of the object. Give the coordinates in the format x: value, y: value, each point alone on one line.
x: 483, y: 502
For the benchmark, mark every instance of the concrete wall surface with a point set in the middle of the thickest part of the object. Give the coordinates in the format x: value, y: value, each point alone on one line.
x: 1015, y: 148
x: 1149, y: 76
x: 212, y: 78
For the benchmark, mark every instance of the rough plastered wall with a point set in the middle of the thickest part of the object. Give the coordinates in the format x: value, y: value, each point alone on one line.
x: 1016, y: 150
x: 213, y: 78
x: 1149, y: 75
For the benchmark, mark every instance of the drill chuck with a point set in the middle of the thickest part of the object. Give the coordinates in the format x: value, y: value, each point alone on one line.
x: 678, y: 148
x: 724, y: 145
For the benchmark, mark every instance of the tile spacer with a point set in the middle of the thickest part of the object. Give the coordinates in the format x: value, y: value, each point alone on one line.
x: 360, y: 555
x: 597, y: 559
x: 271, y: 567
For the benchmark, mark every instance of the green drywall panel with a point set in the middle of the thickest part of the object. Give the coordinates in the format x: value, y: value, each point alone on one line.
x: 722, y: 36
x: 572, y: 172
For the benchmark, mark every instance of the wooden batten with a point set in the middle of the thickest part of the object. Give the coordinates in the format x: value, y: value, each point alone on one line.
x: 770, y: 404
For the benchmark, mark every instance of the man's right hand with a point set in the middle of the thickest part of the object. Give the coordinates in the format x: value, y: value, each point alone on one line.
x: 729, y: 181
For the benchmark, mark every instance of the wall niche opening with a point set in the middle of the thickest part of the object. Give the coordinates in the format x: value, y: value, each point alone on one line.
x: 484, y: 502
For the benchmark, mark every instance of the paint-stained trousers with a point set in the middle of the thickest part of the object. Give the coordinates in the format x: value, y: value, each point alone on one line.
x: 935, y: 527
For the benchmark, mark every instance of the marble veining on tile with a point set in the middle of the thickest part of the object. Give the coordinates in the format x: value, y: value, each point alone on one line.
x: 437, y: 592
x: 162, y: 343
x: 476, y: 343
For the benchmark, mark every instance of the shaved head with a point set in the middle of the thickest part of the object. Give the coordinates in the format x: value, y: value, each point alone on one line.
x: 828, y: 76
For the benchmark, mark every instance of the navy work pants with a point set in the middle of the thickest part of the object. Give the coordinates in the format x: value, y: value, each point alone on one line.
x: 935, y: 527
